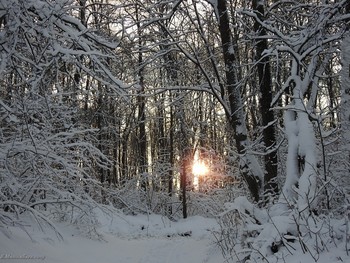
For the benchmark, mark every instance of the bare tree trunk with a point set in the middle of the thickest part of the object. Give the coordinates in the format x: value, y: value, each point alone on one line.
x: 142, y: 137
x: 265, y: 85
x: 82, y: 13
x: 171, y: 160
x: 184, y: 185
x: 345, y: 112
x: 248, y: 164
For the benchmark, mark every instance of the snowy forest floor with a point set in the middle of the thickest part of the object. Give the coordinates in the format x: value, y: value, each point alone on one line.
x: 127, y: 239
x: 119, y: 238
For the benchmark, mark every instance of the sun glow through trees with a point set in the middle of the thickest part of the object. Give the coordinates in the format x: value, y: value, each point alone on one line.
x: 199, y: 168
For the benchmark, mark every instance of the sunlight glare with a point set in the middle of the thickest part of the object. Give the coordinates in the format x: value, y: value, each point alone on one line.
x: 199, y: 168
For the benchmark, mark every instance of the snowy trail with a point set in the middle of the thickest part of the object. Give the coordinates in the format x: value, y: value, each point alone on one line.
x: 159, y: 245
x: 130, y: 239
x: 119, y: 250
x: 153, y: 250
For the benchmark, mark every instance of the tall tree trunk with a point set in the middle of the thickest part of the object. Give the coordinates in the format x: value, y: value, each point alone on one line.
x: 171, y: 160
x: 345, y: 113
x: 267, y: 115
x: 142, y: 137
x: 249, y: 167
x: 183, y: 184
x: 101, y: 131
x: 82, y: 13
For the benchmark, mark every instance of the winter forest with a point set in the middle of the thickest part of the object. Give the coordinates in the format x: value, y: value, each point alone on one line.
x: 170, y: 115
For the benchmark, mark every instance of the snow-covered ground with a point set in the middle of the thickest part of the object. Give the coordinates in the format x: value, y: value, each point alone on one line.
x: 119, y: 238
x: 123, y: 239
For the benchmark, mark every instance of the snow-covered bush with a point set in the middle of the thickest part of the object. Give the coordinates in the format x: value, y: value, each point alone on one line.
x: 48, y: 160
x: 44, y: 162
x: 252, y: 234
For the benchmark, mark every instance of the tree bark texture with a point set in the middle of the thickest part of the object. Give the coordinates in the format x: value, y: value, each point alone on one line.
x: 236, y: 117
x: 267, y: 115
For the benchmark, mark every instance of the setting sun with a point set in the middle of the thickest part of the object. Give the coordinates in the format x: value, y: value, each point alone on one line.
x: 199, y: 168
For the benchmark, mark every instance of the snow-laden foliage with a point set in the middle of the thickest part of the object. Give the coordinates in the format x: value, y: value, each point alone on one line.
x: 251, y: 234
x: 308, y: 217
x: 47, y: 156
